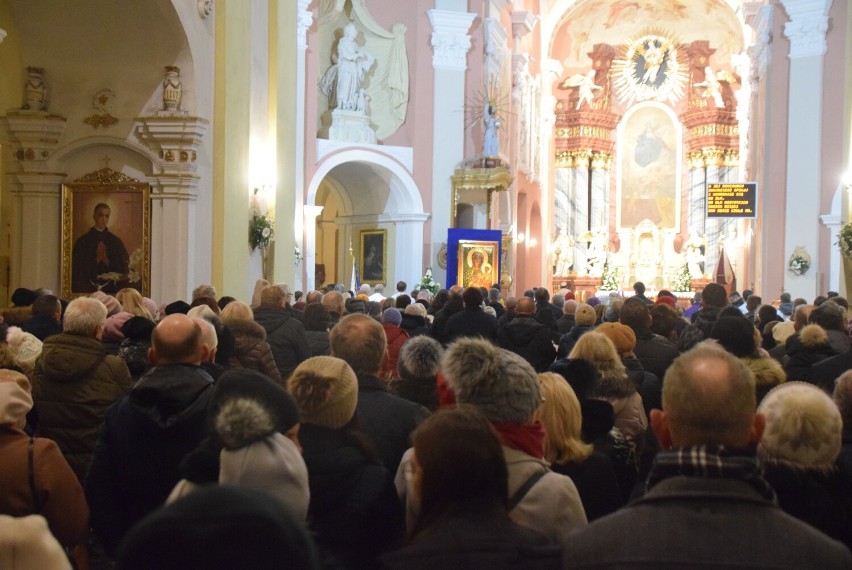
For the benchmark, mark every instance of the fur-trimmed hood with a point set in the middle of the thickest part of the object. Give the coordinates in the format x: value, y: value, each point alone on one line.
x: 612, y: 384
x: 767, y: 371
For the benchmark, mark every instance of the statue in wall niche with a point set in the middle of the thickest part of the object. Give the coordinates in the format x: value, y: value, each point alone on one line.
x: 586, y: 85
x: 344, y: 80
x: 712, y: 85
x: 693, y: 252
x: 563, y: 247
x: 490, y: 124
x: 596, y: 253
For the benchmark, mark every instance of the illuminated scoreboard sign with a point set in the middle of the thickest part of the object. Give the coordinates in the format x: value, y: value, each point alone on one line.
x: 736, y: 200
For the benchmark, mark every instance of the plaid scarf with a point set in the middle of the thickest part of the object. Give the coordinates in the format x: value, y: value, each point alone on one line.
x: 712, y: 461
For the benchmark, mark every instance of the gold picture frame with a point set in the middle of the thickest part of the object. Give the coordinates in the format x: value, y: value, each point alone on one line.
x: 373, y: 256
x: 116, y: 254
x: 484, y: 274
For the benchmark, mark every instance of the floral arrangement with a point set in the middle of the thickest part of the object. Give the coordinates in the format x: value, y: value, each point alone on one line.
x: 298, y: 255
x: 134, y: 267
x: 844, y: 239
x: 261, y: 232
x: 610, y: 278
x: 799, y: 263
x: 428, y: 283
x: 681, y: 280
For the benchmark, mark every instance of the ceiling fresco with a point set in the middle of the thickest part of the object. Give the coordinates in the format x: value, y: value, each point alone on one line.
x: 615, y: 22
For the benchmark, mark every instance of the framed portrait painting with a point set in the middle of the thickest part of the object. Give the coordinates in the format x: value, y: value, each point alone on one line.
x: 105, y: 234
x: 373, y: 256
x: 478, y: 263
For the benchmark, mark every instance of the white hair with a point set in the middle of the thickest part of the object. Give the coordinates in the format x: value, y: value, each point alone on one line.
x: 84, y: 316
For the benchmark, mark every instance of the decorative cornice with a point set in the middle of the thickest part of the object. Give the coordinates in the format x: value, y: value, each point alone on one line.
x: 807, y: 27
x: 450, y: 40
x: 176, y: 140
x: 523, y: 22
x: 305, y: 20
x: 107, y: 176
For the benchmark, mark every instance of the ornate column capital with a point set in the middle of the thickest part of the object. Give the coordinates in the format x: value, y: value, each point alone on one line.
x: 175, y: 140
x: 305, y: 19
x: 36, y: 134
x: 807, y: 27
x: 450, y: 40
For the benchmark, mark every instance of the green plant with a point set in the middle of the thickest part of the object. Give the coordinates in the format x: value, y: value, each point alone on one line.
x: 844, y: 239
x: 610, y: 278
x: 682, y: 280
x: 261, y: 232
x: 428, y: 283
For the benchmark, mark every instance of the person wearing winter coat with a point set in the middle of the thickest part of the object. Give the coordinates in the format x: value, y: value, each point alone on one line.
x: 806, y: 349
x: 317, y: 322
x: 75, y: 381
x: 419, y: 365
x: 148, y: 432
x: 284, y: 332
x: 396, y: 338
x: 251, y: 349
x: 653, y: 351
x: 584, y: 321
x: 648, y: 385
x: 55, y: 493
x: 414, y: 320
x: 527, y: 337
x: 713, y: 300
x: 353, y: 511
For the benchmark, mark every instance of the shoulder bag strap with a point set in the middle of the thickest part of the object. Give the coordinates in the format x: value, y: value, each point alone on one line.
x: 31, y: 475
x: 522, y: 491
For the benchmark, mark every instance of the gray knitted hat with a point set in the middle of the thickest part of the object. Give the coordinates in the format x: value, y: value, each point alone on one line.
x: 501, y: 384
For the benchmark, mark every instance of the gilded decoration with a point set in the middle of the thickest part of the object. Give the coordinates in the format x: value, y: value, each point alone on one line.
x: 582, y: 131
x: 714, y: 129
x: 97, y: 121
x: 478, y: 181
x: 650, y: 70
x: 107, y: 176
x: 714, y: 157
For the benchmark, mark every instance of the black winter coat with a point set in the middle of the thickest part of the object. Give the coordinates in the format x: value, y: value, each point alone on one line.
x: 530, y: 339
x: 286, y: 337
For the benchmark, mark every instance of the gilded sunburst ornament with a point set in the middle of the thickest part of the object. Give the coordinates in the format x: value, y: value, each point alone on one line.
x: 650, y: 70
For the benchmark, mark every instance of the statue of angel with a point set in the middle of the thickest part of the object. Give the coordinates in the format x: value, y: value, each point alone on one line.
x: 586, y: 85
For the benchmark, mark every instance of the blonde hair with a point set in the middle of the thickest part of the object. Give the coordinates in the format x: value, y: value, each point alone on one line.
x: 596, y: 347
x: 562, y: 419
x: 236, y: 311
x: 131, y: 302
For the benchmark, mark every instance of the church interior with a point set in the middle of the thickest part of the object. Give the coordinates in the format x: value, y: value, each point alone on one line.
x: 671, y: 142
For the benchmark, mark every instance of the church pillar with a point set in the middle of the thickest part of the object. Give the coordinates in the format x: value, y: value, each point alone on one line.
x: 600, y: 190
x: 37, y: 200
x: 806, y: 31
x: 697, y: 203
x: 581, y: 186
x: 713, y: 226
x: 450, y: 43
x: 309, y: 252
x: 564, y: 211
x: 174, y: 190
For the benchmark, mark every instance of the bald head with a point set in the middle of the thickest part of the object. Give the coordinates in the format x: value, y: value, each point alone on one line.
x: 708, y: 398
x: 177, y: 339
x: 360, y: 341
x: 569, y: 307
x: 208, y: 337
x: 525, y: 306
x: 333, y: 301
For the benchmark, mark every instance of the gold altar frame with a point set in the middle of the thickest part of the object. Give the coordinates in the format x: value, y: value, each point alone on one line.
x: 130, y: 215
x: 490, y: 269
x: 379, y: 240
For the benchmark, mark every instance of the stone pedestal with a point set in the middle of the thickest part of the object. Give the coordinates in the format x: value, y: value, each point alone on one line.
x: 351, y: 126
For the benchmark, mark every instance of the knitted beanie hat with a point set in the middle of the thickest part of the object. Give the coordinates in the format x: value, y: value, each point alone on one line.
x: 420, y: 358
x: 501, y: 384
x: 803, y: 427
x: 217, y: 527
x: 151, y: 307
x: 15, y: 398
x: 585, y: 315
x: 247, y: 406
x: 26, y: 542
x: 782, y: 331
x: 326, y: 390
x: 736, y: 335
x: 391, y: 316
x: 666, y: 300
x: 621, y: 336
x: 25, y: 348
x: 274, y: 465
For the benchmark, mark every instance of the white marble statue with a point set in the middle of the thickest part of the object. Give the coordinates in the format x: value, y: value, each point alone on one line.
x: 692, y: 253
x: 596, y: 253
x: 490, y: 125
x: 346, y: 77
x: 586, y: 85
x: 712, y: 87
x: 563, y: 247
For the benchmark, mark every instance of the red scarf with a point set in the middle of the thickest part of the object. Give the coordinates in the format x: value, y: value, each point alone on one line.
x: 528, y: 438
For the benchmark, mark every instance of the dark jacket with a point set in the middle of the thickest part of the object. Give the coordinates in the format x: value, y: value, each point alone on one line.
x: 648, y: 385
x: 251, y: 349
x: 804, y: 350
x: 74, y: 383
x: 499, y: 309
x: 145, y: 436
x: 565, y: 323
x: 669, y: 528
x: 318, y: 343
x: 414, y: 325
x: 699, y: 329
x: 826, y: 371
x: 596, y: 482
x: 480, y: 540
x: 654, y: 352
x: 41, y: 327
x: 423, y: 391
x: 286, y: 338
x: 453, y: 305
x: 471, y: 322
x: 530, y: 339
x: 135, y: 355
x: 354, y: 511
x: 569, y: 339
x: 387, y: 419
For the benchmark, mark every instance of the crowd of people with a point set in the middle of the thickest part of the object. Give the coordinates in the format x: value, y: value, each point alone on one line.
x: 464, y: 429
